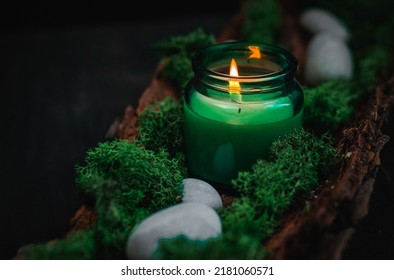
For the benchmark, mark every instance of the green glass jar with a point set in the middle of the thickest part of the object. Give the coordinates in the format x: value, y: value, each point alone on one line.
x: 241, y: 99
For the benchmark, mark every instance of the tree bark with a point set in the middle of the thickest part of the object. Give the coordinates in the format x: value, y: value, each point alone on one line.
x: 323, y: 232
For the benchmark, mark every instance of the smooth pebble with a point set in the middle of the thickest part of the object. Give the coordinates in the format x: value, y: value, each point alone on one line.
x: 199, y: 191
x: 317, y: 20
x: 327, y: 57
x: 194, y: 220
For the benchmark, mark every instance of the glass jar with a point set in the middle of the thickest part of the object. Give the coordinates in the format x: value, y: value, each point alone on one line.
x: 242, y: 97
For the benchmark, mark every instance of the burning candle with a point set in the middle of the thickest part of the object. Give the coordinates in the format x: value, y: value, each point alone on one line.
x: 240, y: 100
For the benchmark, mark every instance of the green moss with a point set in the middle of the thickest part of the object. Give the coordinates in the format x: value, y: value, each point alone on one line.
x: 266, y: 193
x: 239, y: 241
x: 372, y: 67
x: 161, y: 126
x: 140, y: 173
x: 176, y: 53
x: 78, y: 246
x: 370, y: 38
x: 262, y: 21
x: 244, y: 247
x: 188, y: 44
x: 274, y: 186
x: 315, y: 152
x: 329, y: 105
x: 178, y: 69
x: 128, y: 183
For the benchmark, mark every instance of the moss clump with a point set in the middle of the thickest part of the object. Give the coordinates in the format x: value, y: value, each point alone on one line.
x: 140, y: 174
x: 273, y: 187
x: 78, y: 246
x: 370, y: 39
x: 176, y: 53
x: 178, y: 69
x: 262, y: 21
x: 161, y: 127
x: 236, y: 244
x: 373, y: 66
x: 329, y: 105
x: 115, y: 219
x: 188, y: 44
x: 127, y: 184
x: 266, y: 193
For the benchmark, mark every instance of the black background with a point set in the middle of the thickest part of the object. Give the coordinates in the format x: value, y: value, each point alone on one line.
x: 68, y: 70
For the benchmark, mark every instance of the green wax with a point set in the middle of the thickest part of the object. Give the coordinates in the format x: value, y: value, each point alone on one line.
x: 236, y: 110
x: 224, y: 137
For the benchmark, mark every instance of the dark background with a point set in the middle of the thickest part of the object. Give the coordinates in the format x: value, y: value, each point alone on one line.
x: 68, y: 70
x: 67, y: 73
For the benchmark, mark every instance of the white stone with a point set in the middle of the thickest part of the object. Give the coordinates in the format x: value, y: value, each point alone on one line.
x: 199, y: 191
x: 327, y: 57
x: 317, y: 20
x: 194, y: 220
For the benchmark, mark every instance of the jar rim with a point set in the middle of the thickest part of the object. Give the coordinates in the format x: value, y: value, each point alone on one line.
x: 272, y: 80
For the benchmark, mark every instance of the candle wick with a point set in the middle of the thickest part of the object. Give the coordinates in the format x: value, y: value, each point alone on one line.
x: 237, y: 98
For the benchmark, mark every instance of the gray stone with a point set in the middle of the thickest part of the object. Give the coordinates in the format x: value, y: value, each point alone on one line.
x: 317, y: 20
x: 194, y: 220
x: 327, y: 58
x: 199, y: 191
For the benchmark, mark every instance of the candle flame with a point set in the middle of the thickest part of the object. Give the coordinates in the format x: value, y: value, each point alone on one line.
x: 234, y: 86
x: 255, y: 52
